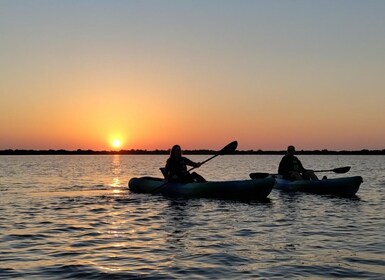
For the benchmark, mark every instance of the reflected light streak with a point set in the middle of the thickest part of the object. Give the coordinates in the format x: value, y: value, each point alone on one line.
x: 115, y: 182
x: 116, y: 170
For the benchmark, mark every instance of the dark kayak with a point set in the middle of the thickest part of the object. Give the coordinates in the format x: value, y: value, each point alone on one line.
x: 239, y: 189
x: 346, y: 186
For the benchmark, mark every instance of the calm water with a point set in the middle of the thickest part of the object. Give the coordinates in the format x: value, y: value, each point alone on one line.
x: 71, y: 217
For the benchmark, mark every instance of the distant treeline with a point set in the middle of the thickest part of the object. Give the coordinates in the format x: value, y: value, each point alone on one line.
x: 186, y: 152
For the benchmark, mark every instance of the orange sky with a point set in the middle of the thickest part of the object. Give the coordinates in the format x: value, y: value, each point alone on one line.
x: 79, y: 75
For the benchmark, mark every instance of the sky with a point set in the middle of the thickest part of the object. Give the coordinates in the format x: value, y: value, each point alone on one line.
x: 151, y: 74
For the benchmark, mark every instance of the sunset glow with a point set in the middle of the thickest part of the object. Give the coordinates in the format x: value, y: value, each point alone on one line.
x: 120, y: 74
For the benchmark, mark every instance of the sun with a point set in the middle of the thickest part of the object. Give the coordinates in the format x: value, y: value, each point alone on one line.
x: 116, y: 143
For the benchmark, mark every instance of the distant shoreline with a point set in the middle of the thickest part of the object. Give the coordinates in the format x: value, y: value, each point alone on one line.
x: 186, y: 152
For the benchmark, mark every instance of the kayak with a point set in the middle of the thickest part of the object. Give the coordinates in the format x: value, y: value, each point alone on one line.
x: 257, y: 189
x: 346, y: 186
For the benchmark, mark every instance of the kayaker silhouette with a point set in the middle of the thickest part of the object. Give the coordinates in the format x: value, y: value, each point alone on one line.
x: 291, y: 167
x: 176, y: 168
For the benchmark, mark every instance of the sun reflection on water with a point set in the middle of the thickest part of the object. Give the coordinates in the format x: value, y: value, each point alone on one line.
x: 116, y: 169
x: 115, y: 182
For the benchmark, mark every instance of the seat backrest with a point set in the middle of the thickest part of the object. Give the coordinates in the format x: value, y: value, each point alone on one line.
x: 163, y: 170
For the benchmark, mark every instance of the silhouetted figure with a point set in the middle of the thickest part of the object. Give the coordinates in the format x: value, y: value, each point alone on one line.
x: 291, y: 167
x: 176, y: 167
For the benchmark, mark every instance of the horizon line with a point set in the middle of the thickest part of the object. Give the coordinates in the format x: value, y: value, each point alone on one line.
x: 190, y: 152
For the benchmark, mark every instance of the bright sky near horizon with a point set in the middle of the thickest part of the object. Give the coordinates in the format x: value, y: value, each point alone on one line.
x: 91, y: 74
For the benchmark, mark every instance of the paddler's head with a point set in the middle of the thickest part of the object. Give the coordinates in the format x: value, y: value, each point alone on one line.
x: 176, y: 151
x: 290, y: 150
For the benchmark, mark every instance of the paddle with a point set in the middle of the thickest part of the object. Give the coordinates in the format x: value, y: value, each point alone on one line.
x: 259, y: 175
x: 228, y: 149
x: 339, y: 170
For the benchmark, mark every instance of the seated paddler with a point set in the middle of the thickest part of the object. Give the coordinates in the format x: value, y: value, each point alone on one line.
x: 176, y: 168
x: 291, y: 167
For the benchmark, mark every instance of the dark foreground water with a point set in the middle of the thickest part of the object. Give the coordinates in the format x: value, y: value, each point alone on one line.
x: 72, y: 217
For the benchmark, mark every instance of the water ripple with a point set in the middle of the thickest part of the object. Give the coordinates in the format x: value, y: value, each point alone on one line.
x: 65, y: 220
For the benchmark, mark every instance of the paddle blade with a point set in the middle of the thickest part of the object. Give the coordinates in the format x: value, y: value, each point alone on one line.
x: 258, y: 175
x: 230, y: 148
x: 341, y: 170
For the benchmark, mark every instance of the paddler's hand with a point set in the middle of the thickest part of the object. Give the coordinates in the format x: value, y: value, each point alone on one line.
x: 198, y: 164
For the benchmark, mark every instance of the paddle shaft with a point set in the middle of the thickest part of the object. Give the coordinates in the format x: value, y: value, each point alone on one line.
x: 203, y: 162
x: 340, y: 170
x: 335, y: 170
